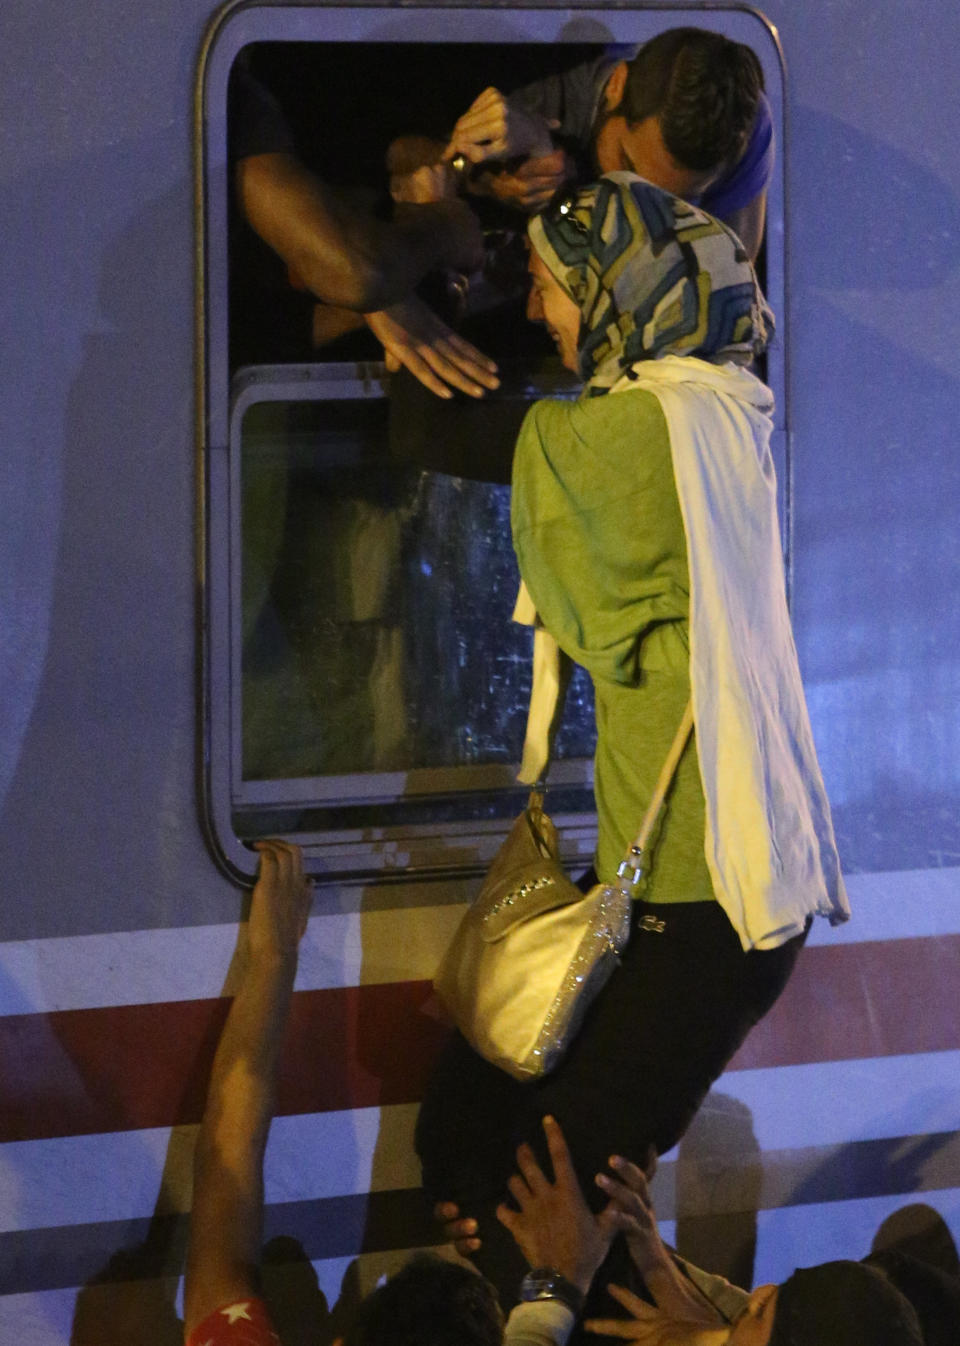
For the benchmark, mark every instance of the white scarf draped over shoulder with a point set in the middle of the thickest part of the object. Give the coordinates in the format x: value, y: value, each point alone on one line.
x: 769, y: 841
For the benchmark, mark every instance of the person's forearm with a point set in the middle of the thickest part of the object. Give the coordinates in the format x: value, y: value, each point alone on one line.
x: 675, y: 1294
x: 303, y: 222
x: 366, y: 264
x: 243, y: 1077
x: 342, y: 253
x: 228, y: 1162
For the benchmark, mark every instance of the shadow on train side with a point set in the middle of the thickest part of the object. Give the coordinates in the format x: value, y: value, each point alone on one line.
x: 142, y: 343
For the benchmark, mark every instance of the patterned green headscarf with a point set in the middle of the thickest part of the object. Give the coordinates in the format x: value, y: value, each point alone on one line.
x: 651, y: 276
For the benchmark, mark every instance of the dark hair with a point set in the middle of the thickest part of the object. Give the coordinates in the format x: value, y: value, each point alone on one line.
x: 703, y: 88
x: 429, y: 1302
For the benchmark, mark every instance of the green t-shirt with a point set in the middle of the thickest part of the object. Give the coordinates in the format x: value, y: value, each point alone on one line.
x: 600, y: 542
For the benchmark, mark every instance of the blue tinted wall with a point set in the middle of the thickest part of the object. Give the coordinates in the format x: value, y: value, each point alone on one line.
x: 874, y: 246
x: 116, y: 930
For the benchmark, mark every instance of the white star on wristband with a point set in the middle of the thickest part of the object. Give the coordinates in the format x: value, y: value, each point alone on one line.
x: 235, y: 1312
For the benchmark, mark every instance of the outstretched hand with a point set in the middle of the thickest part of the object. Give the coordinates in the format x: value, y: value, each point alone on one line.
x: 622, y: 1214
x: 280, y: 903
x: 631, y: 1206
x: 631, y: 1212
x: 413, y: 336
x: 652, y: 1327
x: 494, y: 128
x: 554, y: 1226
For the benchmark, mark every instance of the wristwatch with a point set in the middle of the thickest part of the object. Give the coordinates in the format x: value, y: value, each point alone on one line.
x: 546, y: 1283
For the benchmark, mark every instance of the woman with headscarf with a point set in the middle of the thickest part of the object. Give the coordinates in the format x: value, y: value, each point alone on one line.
x: 645, y: 525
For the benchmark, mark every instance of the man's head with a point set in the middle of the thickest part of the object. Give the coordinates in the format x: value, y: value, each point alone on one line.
x: 840, y: 1302
x: 681, y: 111
x: 429, y: 1302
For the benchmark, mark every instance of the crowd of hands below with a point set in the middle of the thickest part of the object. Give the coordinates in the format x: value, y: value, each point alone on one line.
x: 548, y: 1216
x: 554, y: 1227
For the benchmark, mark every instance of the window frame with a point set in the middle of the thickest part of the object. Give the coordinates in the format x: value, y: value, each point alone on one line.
x: 448, y: 848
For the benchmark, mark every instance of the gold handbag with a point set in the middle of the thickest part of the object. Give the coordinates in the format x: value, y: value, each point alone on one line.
x: 533, y: 951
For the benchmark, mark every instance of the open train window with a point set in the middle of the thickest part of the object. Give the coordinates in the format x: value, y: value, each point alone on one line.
x: 363, y: 688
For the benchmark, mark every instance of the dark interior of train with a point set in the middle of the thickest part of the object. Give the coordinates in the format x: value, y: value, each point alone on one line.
x: 344, y: 104
x: 378, y: 575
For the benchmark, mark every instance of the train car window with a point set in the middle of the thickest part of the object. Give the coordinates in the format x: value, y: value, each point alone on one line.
x: 363, y: 687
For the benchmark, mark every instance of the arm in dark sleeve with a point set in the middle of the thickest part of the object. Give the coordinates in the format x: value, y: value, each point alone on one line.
x: 254, y: 117
x: 572, y: 97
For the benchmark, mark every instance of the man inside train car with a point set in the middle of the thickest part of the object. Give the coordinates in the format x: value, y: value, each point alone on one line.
x: 338, y: 252
x: 687, y: 112
x: 430, y: 1301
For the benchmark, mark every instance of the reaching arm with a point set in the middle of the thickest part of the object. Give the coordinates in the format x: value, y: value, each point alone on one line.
x: 648, y: 1326
x: 226, y: 1221
x: 344, y: 255
x: 630, y: 1204
x: 493, y: 127
x: 529, y: 187
x: 348, y: 258
x: 554, y: 1227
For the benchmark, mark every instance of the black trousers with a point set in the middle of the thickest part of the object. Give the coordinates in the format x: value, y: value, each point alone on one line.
x: 665, y: 1026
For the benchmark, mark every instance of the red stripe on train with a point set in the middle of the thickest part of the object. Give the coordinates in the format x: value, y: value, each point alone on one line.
x: 845, y: 1001
x: 84, y: 1071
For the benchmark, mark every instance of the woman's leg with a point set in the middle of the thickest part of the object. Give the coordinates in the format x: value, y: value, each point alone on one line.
x: 465, y: 1138
x: 673, y: 1014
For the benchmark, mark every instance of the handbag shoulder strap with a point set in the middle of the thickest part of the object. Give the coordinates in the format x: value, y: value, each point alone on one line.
x: 631, y: 867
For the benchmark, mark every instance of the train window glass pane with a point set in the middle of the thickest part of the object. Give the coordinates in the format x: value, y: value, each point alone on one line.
x: 374, y: 598
x: 379, y: 675
x: 364, y: 688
